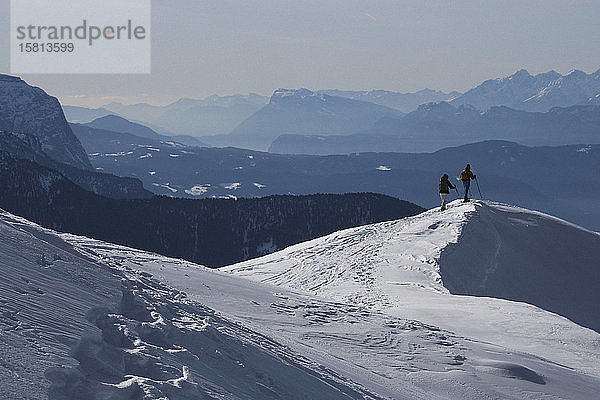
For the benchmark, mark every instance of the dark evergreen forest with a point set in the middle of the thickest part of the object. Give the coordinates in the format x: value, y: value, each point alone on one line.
x: 212, y: 232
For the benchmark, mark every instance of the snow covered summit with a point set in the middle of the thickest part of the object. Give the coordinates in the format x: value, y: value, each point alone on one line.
x: 478, y: 248
x: 540, y: 93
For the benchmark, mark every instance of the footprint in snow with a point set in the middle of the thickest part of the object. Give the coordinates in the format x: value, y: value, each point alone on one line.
x: 434, y: 226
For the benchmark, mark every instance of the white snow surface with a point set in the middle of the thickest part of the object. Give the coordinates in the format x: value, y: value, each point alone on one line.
x: 231, y: 186
x: 359, y: 314
x: 198, y: 190
x: 393, y: 267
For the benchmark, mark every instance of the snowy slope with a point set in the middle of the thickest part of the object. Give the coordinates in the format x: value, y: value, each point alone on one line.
x: 504, y: 252
x: 394, y: 267
x: 448, y: 354
x: 93, y: 320
x: 516, y: 254
x: 73, y: 328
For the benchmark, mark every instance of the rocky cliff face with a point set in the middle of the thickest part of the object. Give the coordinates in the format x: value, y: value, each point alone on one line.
x: 28, y: 111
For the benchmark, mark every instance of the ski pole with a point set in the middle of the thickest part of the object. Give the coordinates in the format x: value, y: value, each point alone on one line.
x: 479, y: 190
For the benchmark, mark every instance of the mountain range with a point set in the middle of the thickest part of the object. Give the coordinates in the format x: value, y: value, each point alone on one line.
x: 300, y: 112
x: 509, y: 172
x: 434, y: 126
x: 540, y: 92
x: 405, y: 102
x: 190, y: 117
x: 518, y: 174
x: 304, y: 112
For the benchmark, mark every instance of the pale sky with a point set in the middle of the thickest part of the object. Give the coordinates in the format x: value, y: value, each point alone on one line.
x: 204, y: 47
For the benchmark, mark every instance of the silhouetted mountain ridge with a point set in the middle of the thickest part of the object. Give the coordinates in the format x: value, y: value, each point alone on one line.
x: 437, y: 125
x: 302, y: 111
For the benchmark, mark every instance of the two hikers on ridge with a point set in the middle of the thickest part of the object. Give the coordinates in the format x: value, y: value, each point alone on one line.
x: 446, y: 185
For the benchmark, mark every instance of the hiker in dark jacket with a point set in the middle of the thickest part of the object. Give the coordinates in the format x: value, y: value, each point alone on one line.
x: 445, y: 186
x: 466, y: 177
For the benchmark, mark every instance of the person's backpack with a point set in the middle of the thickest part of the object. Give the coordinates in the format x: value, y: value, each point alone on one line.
x: 444, y: 187
x: 465, y: 176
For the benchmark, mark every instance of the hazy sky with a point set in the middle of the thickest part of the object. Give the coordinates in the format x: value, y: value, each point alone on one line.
x: 204, y: 47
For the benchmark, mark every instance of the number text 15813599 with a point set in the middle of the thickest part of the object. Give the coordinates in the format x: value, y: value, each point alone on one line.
x: 47, y: 47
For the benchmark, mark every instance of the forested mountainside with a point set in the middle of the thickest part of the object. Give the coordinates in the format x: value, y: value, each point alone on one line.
x: 212, y: 232
x: 104, y: 184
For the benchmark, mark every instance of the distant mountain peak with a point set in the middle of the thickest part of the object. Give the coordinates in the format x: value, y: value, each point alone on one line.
x: 295, y: 95
x: 302, y: 92
x: 549, y: 75
x: 520, y: 75
x: 117, y: 123
x: 576, y: 74
x: 110, y: 117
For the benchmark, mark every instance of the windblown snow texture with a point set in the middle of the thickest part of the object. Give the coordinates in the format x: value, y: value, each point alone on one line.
x: 85, y: 319
x: 481, y: 248
x: 399, y: 351
x: 73, y: 329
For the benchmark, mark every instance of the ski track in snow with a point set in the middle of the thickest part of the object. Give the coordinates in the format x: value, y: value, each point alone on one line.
x: 353, y: 264
x: 338, y: 325
x: 393, y: 267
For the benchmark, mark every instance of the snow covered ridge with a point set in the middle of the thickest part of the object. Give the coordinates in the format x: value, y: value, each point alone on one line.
x: 85, y: 319
x: 516, y: 254
x: 365, y: 265
x: 394, y: 356
x: 479, y: 248
x: 541, y: 92
x: 298, y: 93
